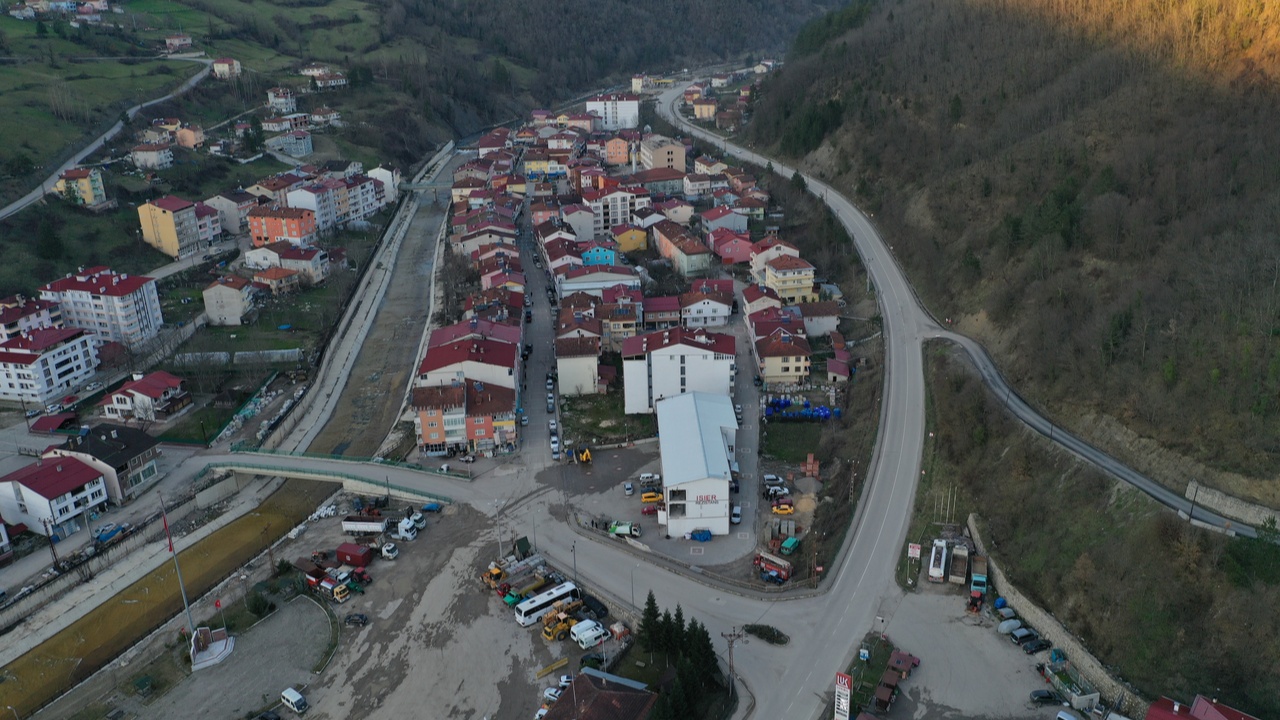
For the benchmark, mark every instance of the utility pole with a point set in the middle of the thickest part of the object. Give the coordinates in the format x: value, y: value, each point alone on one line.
x: 733, y: 637
x: 48, y: 531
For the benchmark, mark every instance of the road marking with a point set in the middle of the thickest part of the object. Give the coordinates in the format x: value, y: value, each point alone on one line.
x: 695, y: 550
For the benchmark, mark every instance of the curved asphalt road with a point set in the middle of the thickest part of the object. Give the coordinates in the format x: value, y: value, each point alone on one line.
x: 907, y: 324
x: 92, y: 147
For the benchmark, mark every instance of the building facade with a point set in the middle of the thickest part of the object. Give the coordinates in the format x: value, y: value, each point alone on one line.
x: 119, y: 307
x: 40, y: 365
x: 697, y: 432
x: 169, y: 224
x: 667, y: 363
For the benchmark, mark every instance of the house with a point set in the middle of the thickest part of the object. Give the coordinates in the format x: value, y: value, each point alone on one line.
x: 663, y: 181
x: 467, y: 416
x: 325, y: 117
x: 208, y: 225
x: 580, y: 219
x: 722, y: 218
x: 276, y: 188
x: 228, y: 300
x: 294, y: 144
x: 277, y: 280
x: 705, y: 309
x: 226, y: 68
x: 316, y: 69
x: 758, y: 297
x: 578, y: 365
x: 840, y: 365
x: 599, y: 253
x: 820, y: 318
x: 594, y: 279
x: 676, y: 210
x: 705, y: 109
x: 696, y: 186
x: 170, y: 225
x: 82, y: 186
x: 147, y: 398
x: 791, y: 278
x: 53, y: 497
x: 783, y: 357
x: 728, y: 119
x: 577, y: 322
x: 274, y: 223
x: 707, y: 165
x: 233, y: 209
x: 151, y: 156
x: 753, y: 208
x: 489, y: 361
x: 660, y: 151
x: 618, y: 322
x: 697, y: 432
x: 731, y: 247
x: 615, y: 110
x: 189, y: 136
x: 595, y: 695
x: 125, y: 456
x: 40, y: 365
x: 768, y: 249
x: 691, y: 258
x: 617, y: 151
x: 118, y: 307
x: 20, y: 314
x: 1202, y: 708
x: 613, y: 206
x: 329, y: 81
x: 282, y: 100
x: 670, y: 362
x: 720, y: 80
x: 661, y: 312
x: 475, y: 329
x: 390, y: 179
x: 177, y: 42
x: 311, y: 263
x: 629, y: 238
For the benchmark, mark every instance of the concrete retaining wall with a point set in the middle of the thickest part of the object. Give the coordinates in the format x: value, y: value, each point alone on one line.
x: 222, y: 490
x: 1031, y: 614
x: 1232, y: 507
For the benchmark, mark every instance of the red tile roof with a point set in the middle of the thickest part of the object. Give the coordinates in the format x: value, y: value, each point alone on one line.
x: 819, y: 309
x: 53, y: 477
x: 34, y: 342
x: 488, y: 400
x: 665, y: 304
x: 479, y: 328
x: 275, y: 273
x: 153, y: 385
x: 716, y: 213
x: 781, y: 343
x: 99, y: 281
x: 789, y: 262
x: 752, y: 293
x: 441, y: 397
x: 15, y: 311
x: 77, y: 173
x: 577, y: 347
x: 488, y: 352
x: 232, y: 281
x: 701, y: 339
x: 171, y: 203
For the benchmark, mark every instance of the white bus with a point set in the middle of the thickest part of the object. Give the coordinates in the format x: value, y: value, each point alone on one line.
x: 530, y: 611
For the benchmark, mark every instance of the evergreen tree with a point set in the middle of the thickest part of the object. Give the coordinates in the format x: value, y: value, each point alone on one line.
x: 797, y: 181
x: 48, y: 244
x: 701, y: 653
x: 678, y: 646
x: 41, y: 29
x: 254, y: 138
x: 662, y: 709
x: 689, y: 682
x: 646, y: 633
x: 665, y: 637
x: 678, y: 698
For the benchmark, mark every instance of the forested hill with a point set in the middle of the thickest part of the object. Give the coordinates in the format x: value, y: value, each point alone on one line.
x: 1090, y: 187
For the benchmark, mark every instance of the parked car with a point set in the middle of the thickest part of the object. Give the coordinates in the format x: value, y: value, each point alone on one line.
x: 628, y: 489
x: 555, y: 443
x: 737, y: 410
x: 596, y: 610
x: 33, y: 413
x: 784, y: 510
x: 565, y: 681
x: 524, y: 420
x: 551, y: 384
x: 650, y: 477
x: 1045, y: 697
x: 1023, y: 635
x: 770, y: 479
x: 649, y: 510
x: 651, y: 497
x: 1037, y: 645
x: 467, y: 459
x: 268, y: 715
x: 359, y: 619
x: 735, y: 516
x: 552, y: 424
x: 758, y: 382
x: 733, y: 485
x: 551, y: 694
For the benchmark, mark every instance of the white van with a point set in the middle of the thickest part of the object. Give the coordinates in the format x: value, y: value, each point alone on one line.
x: 293, y: 700
x: 583, y: 628
x: 593, y: 638
x: 650, y: 477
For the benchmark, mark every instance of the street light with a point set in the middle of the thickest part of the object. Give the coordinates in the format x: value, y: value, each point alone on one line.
x: 633, y: 584
x: 574, y: 549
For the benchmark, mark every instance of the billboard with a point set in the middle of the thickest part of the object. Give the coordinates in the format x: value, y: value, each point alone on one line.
x: 844, y: 687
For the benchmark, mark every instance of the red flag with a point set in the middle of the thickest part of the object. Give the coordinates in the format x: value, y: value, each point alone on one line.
x: 217, y: 604
x: 165, y: 516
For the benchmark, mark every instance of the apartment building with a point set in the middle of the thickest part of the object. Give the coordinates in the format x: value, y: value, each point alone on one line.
x: 118, y: 307
x: 41, y: 365
x: 170, y: 225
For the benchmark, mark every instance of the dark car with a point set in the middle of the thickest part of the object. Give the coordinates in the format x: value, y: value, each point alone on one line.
x: 1035, y: 646
x: 596, y: 610
x: 357, y: 619
x: 1045, y: 697
x: 595, y: 660
x: 268, y: 715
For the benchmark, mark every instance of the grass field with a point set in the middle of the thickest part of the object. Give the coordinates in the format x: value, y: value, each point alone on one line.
x: 92, y: 641
x: 791, y: 442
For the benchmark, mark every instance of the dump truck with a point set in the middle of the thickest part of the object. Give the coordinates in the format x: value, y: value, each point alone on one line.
x: 364, y: 524
x: 354, y: 555
x: 979, y: 574
x: 959, y: 564
x: 516, y: 595
x: 768, y: 562
x: 624, y: 529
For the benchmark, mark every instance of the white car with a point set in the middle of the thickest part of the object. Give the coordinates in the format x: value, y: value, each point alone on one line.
x: 565, y: 681
x: 772, y: 480
x: 650, y: 477
x: 555, y: 444
x: 552, y: 424
x: 735, y: 517
x: 551, y: 694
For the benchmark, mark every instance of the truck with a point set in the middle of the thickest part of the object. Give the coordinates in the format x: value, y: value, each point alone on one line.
x: 938, y: 562
x: 624, y: 529
x: 562, y: 607
x: 768, y: 562
x: 333, y: 590
x: 390, y: 551
x: 959, y: 564
x: 500, y: 570
x: 364, y: 524
x: 560, y: 626
x: 979, y: 574
x: 311, y: 571
x: 405, y: 531
x: 515, y: 595
x: 355, y: 555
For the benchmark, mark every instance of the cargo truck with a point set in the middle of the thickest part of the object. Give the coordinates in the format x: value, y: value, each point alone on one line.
x: 533, y: 585
x: 979, y: 574
x: 959, y: 564
x: 355, y: 555
x: 364, y: 524
x: 333, y: 590
x: 768, y: 562
x: 501, y: 570
x: 406, y: 531
x: 624, y: 529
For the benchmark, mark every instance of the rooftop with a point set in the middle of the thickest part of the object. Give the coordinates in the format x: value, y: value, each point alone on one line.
x: 693, y: 427
x: 700, y: 339
x: 54, y: 477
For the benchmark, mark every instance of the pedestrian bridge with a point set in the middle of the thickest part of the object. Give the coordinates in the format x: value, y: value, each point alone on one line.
x: 357, y: 476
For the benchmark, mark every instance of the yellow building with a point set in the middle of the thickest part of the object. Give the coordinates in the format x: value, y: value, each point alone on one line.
x: 83, y: 186
x: 704, y: 109
x: 169, y: 224
x: 783, y: 357
x: 791, y: 278
x: 630, y: 238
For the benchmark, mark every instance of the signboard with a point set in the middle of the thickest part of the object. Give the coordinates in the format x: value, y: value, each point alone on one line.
x: 844, y: 687
x: 705, y: 500
x: 913, y: 551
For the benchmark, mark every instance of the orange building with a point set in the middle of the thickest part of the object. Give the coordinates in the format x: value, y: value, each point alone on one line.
x: 274, y: 223
x: 617, y: 151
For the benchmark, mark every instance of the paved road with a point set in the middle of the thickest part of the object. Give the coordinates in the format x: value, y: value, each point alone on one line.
x: 92, y: 147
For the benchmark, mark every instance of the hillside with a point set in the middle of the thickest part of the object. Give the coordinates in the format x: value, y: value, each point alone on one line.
x: 1087, y: 187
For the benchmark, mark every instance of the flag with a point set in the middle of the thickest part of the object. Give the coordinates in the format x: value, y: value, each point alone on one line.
x: 217, y: 604
x: 165, y: 516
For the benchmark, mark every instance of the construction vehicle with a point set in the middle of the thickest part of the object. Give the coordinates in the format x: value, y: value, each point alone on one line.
x: 536, y: 583
x: 333, y: 590
x: 562, y: 606
x: 560, y: 628
x: 978, y: 583
x: 768, y: 562
x: 500, y: 571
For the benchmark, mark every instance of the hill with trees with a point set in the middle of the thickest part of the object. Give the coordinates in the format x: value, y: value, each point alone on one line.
x: 1088, y: 187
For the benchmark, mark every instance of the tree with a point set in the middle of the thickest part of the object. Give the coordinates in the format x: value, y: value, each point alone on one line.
x: 700, y: 652
x: 253, y: 137
x: 41, y: 29
x: 666, y: 640
x: 677, y: 632
x: 48, y: 244
x: 19, y: 165
x: 797, y: 182
x: 646, y: 631
x: 957, y: 109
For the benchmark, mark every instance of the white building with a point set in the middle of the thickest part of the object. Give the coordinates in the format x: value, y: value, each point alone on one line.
x: 147, y: 398
x: 157, y: 156
x: 208, y: 224
x: 578, y: 365
x: 41, y: 365
x: 672, y: 362
x: 593, y: 279
x: 613, y: 207
x: 282, y: 100
x: 20, y: 314
x: 390, y: 179
x: 697, y: 435
x: 705, y: 309
x: 58, y: 491
x: 116, y: 306
x: 492, y: 362
x: 615, y: 110
x: 320, y: 199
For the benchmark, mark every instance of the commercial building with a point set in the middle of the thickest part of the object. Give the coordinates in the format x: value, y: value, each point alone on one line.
x: 40, y: 365
x: 118, y: 307
x: 697, y: 432
x: 466, y: 416
x: 667, y: 363
x: 170, y: 225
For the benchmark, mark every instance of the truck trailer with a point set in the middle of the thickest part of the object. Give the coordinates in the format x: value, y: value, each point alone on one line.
x: 364, y: 524
x: 959, y: 564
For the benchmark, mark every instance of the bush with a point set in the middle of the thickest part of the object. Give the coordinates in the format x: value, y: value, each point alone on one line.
x: 259, y: 604
x: 767, y: 633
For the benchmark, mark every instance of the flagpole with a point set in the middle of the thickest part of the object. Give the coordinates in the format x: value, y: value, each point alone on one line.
x: 186, y: 606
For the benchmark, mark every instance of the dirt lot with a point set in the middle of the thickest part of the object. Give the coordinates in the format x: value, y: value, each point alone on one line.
x: 370, y: 405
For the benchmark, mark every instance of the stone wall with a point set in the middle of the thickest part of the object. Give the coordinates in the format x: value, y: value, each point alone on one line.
x: 1089, y: 667
x: 1231, y: 507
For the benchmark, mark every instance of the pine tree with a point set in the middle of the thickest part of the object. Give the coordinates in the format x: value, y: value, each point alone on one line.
x: 665, y: 638
x: 662, y: 709
x: 646, y: 633
x: 678, y: 646
x: 701, y: 653
x: 678, y: 698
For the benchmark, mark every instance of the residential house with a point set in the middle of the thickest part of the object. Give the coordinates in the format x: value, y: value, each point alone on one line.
x: 731, y: 247
x: 147, y: 398
x: 467, y: 416
x: 670, y: 362
x: 783, y: 357
x: 618, y: 323
x: 629, y: 238
x: 594, y: 695
x: 1202, y: 708
x: 698, y: 432
x: 190, y: 137
x: 705, y: 309
x: 151, y: 156
x: 791, y: 278
x: 613, y: 206
x: 311, y: 263
x: 578, y: 365
x: 53, y: 497
x: 707, y: 165
x: 660, y: 151
x: 177, y: 42
x: 282, y: 100
x: 691, y: 258
x: 276, y: 188
x: 722, y: 218
x: 489, y: 361
x: 580, y: 219
x: 20, y: 314
x: 82, y: 186
x: 208, y: 225
x: 676, y: 210
x: 594, y: 279
x: 294, y: 144
x: 125, y: 456
x: 226, y: 68
x: 615, y: 110
x: 758, y: 297
x: 599, y: 252
x: 325, y: 117
x: 767, y: 249
x: 661, y: 312
x: 617, y: 151
x: 578, y: 322
x: 705, y: 109
x: 42, y: 364
x: 663, y: 181
x: 753, y: 208
x: 696, y: 186
x: 118, y: 307
x: 728, y: 119
x: 329, y: 81
x: 233, y: 209
x: 320, y: 198
x: 273, y: 223
x: 840, y: 365
x: 390, y: 179
x: 316, y: 69
x: 820, y: 318
x: 170, y: 225
x: 277, y: 280
x: 228, y: 300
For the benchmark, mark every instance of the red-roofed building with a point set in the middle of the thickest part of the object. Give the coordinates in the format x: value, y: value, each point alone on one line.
x: 671, y: 362
x: 723, y: 217
x: 705, y: 309
x: 767, y: 249
x: 578, y: 365
x: 732, y: 247
x: 276, y: 223
x: 40, y: 365
x: 758, y: 297
x: 783, y: 357
x: 467, y: 416
x: 661, y: 312
x: 64, y: 490
x: 840, y: 365
x: 82, y: 186
x: 170, y: 225
x: 147, y: 398
x: 1202, y: 708
x: 311, y: 263
x: 116, y: 306
x: 791, y: 278
x: 475, y: 329
x: 277, y: 280
x: 228, y: 300
x: 490, y: 361
x: 20, y: 314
